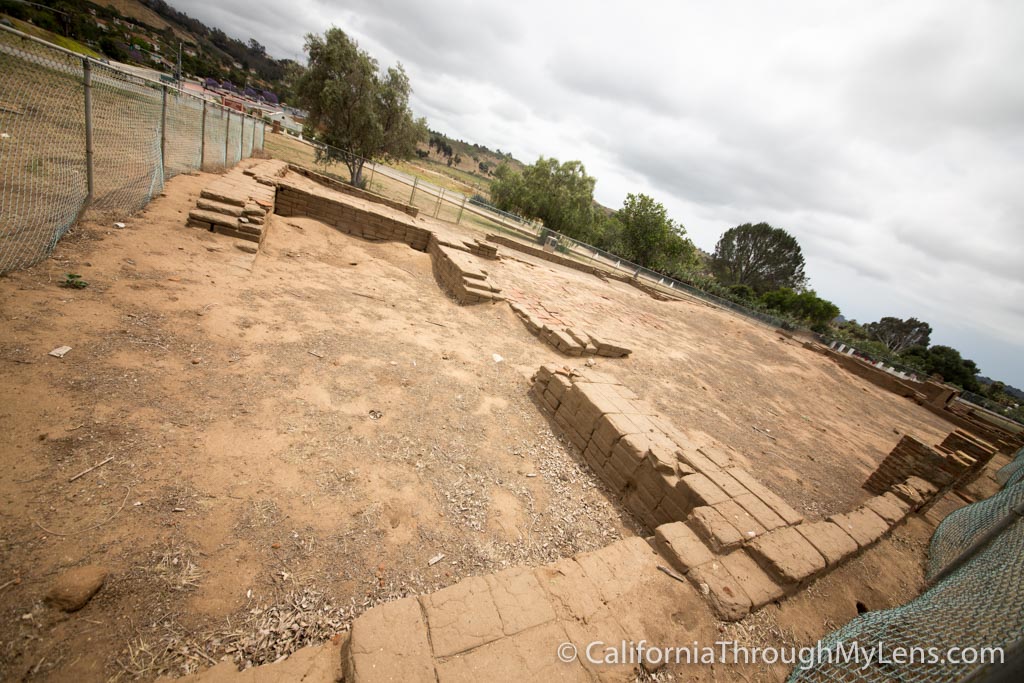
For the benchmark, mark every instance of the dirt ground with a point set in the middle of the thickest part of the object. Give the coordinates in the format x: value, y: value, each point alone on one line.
x: 300, y: 434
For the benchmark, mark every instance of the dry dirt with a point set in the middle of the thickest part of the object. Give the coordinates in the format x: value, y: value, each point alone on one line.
x: 301, y: 434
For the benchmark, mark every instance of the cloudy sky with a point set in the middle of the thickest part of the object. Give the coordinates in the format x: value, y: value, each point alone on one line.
x: 888, y: 137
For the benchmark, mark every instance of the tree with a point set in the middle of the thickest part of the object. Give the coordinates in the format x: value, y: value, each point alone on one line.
x: 805, y: 306
x: 946, y: 362
x: 256, y: 48
x: 899, y: 334
x: 354, y: 108
x: 649, y: 237
x: 759, y: 256
x: 560, y: 194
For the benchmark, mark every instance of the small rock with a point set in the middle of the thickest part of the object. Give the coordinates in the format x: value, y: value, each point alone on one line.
x: 195, y: 361
x: 75, y: 587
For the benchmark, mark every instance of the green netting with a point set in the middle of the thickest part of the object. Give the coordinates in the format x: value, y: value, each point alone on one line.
x: 974, y: 609
x: 1013, y: 472
x: 961, y: 528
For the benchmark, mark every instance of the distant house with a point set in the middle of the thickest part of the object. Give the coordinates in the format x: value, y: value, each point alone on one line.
x: 287, y: 122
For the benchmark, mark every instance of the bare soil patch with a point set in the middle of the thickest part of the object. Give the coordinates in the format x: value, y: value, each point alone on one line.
x: 300, y: 434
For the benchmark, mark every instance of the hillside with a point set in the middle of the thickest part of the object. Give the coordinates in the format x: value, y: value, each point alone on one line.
x: 470, y: 165
x: 151, y: 34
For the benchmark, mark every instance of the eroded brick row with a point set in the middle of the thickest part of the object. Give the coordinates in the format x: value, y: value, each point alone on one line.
x: 461, y: 275
x: 237, y: 203
x: 572, y: 341
x: 941, y: 466
x: 778, y: 563
x: 351, y: 190
x: 292, y: 200
x: 660, y: 474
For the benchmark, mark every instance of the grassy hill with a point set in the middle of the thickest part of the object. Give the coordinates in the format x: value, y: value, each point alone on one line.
x: 149, y: 33
x: 55, y: 38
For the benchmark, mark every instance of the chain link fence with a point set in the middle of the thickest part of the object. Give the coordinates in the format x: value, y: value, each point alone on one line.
x: 77, y: 133
x: 971, y: 618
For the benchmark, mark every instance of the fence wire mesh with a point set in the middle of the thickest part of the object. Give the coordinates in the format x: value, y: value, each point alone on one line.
x: 43, y: 183
x: 234, y: 143
x: 183, y: 149
x: 126, y: 119
x: 247, y: 126
x: 142, y: 133
x: 977, y: 607
x: 215, y: 138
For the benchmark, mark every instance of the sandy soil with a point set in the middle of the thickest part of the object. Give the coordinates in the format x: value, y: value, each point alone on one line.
x: 305, y: 431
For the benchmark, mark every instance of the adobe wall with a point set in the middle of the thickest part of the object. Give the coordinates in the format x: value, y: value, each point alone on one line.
x: 353, y: 191
x: 876, y: 376
x: 739, y: 543
x: 912, y: 458
x: 460, y: 275
x: 294, y: 201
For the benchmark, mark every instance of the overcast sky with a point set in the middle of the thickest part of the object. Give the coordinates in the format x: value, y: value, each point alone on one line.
x: 888, y: 137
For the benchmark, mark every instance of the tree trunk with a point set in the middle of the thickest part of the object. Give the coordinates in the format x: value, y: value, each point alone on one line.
x: 355, y: 169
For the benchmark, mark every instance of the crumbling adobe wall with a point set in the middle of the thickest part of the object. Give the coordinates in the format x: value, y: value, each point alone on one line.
x: 460, y: 274
x: 661, y: 475
x: 538, y: 252
x: 981, y: 451
x: 911, y: 458
x: 880, y: 378
x: 236, y: 203
x: 603, y: 273
x: 353, y: 191
x: 292, y: 200
x: 572, y: 341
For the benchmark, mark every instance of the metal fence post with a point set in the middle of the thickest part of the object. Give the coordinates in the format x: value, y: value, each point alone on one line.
x: 415, y: 182
x: 89, y: 171
x: 437, y: 208
x: 202, y: 138
x: 373, y: 169
x: 163, y: 131
x: 461, y: 209
x: 227, y: 134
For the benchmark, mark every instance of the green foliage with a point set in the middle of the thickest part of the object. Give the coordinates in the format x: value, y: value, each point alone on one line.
x: 742, y: 293
x: 898, y: 334
x: 805, y: 306
x: 559, y: 194
x: 759, y: 256
x: 355, y: 108
x: 650, y: 238
x: 73, y: 281
x: 946, y: 362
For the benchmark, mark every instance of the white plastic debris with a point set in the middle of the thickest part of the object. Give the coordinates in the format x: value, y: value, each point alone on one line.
x: 119, y: 225
x: 435, y: 559
x: 60, y: 351
x: 497, y: 358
